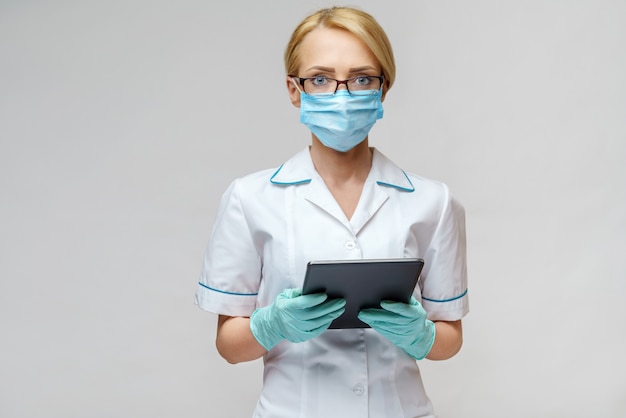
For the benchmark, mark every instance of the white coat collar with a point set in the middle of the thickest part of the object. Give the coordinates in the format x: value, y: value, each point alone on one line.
x: 299, y: 169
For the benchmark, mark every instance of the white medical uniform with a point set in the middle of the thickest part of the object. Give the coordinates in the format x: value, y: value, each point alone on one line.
x: 271, y: 223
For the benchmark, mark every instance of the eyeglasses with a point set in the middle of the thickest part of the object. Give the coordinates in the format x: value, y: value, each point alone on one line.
x: 361, y: 85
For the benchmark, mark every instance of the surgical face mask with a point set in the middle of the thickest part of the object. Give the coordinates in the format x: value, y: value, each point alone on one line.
x: 341, y: 121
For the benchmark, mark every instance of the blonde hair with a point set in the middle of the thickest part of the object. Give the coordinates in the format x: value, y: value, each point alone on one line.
x: 355, y: 21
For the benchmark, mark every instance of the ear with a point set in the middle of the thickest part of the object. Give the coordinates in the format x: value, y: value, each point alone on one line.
x: 385, y: 89
x: 294, y: 93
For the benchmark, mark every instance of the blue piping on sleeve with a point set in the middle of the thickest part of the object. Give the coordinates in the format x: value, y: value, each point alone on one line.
x: 446, y: 300
x: 225, y: 292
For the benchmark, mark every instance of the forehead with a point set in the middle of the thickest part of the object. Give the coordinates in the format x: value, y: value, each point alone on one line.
x: 334, y: 48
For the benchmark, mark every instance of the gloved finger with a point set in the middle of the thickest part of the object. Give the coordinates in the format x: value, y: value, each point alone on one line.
x: 370, y: 318
x: 318, y: 322
x: 291, y: 293
x: 298, y: 299
x: 320, y: 330
x: 390, y: 331
x: 321, y: 310
x: 375, y: 315
x: 412, y: 310
x: 307, y: 301
x: 302, y: 336
x: 324, y: 320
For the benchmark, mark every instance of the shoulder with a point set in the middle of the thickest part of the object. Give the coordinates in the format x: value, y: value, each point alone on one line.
x: 415, y: 186
x: 252, y: 185
x: 435, y: 188
x: 263, y: 183
x: 256, y: 179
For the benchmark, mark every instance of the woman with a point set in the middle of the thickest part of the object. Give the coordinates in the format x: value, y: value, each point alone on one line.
x: 336, y: 199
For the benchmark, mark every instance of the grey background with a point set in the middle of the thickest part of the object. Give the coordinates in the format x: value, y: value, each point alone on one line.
x: 122, y: 122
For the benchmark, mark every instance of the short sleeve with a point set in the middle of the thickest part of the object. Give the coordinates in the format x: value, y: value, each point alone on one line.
x: 444, y: 279
x: 231, y: 271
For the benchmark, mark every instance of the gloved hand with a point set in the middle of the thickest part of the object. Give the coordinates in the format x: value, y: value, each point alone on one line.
x: 403, y: 324
x: 294, y: 317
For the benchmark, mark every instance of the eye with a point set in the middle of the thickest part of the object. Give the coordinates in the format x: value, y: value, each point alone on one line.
x: 363, y: 81
x: 319, y: 81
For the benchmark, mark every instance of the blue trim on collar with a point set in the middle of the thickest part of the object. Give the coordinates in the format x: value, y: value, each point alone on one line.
x: 404, y: 189
x: 446, y: 300
x: 286, y: 184
x: 225, y: 292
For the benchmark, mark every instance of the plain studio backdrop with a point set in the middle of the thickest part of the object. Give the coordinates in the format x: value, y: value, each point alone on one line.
x: 122, y: 122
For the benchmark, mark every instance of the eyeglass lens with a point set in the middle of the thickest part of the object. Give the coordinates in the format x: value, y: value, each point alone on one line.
x: 319, y: 85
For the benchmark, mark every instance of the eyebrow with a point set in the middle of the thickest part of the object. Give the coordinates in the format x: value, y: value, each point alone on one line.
x: 332, y: 70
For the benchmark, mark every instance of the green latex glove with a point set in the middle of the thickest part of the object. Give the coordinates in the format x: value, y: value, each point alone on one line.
x: 294, y: 317
x: 403, y: 324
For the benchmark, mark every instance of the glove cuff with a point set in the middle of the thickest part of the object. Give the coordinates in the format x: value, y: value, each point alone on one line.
x: 262, y: 330
x: 420, y: 349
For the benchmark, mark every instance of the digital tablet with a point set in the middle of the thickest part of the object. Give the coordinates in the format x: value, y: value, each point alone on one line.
x: 363, y: 283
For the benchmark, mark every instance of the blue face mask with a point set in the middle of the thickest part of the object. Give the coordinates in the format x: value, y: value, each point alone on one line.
x: 343, y: 120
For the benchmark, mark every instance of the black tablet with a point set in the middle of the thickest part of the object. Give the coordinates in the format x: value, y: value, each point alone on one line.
x: 363, y: 283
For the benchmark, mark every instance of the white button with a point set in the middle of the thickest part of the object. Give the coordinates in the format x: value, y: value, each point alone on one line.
x: 350, y: 245
x: 358, y: 390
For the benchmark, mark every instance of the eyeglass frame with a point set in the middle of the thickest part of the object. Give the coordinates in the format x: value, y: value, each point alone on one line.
x: 302, y: 80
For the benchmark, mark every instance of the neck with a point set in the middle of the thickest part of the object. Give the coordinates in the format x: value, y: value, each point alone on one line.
x: 339, y: 167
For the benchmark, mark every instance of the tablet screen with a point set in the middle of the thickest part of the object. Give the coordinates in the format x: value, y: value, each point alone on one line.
x: 363, y: 283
